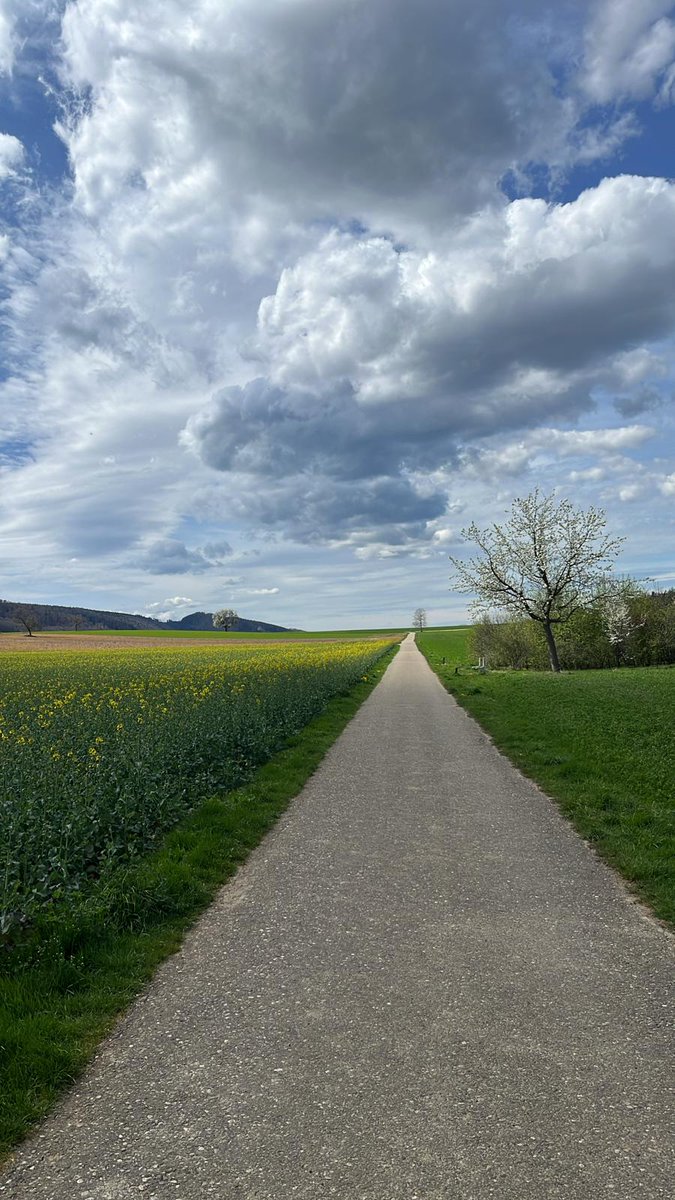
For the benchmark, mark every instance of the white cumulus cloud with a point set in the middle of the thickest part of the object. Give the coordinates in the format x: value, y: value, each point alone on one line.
x: 11, y: 155
x: 630, y: 50
x: 6, y: 36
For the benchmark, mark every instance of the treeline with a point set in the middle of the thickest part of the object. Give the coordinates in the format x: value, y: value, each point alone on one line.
x: 53, y: 618
x: 630, y: 627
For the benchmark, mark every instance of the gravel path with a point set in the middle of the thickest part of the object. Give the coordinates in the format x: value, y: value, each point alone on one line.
x: 422, y: 986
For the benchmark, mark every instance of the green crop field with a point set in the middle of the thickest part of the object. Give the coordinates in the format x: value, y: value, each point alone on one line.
x: 600, y: 742
x: 103, y: 750
x: 132, y: 787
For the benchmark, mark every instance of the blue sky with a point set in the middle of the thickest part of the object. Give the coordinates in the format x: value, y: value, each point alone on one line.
x: 293, y: 292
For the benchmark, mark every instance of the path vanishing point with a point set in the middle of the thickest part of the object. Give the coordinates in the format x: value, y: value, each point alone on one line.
x: 422, y: 986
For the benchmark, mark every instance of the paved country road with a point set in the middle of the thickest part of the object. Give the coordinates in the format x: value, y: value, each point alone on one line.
x: 422, y: 985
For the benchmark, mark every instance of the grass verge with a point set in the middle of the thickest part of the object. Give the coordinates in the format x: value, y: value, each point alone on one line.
x: 599, y: 742
x: 62, y: 991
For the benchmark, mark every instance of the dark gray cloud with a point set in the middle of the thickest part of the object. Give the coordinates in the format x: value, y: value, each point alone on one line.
x: 318, y: 467
x: 261, y: 429
x: 217, y: 551
x: 318, y: 510
x: 169, y: 556
x: 644, y: 400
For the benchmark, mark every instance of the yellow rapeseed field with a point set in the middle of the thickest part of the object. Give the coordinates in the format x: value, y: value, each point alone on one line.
x: 103, y: 751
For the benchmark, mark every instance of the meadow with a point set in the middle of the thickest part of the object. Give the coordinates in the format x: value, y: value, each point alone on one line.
x: 103, y: 751
x: 600, y: 742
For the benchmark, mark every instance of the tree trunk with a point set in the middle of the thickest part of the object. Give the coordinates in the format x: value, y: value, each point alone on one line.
x: 552, y: 648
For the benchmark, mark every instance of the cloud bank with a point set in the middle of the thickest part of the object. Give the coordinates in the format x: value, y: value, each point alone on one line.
x: 314, y: 273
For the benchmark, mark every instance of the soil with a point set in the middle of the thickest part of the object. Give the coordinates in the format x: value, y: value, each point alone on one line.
x: 93, y: 641
x: 109, y: 641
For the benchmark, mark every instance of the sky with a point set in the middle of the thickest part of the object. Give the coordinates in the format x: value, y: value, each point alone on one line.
x: 295, y: 290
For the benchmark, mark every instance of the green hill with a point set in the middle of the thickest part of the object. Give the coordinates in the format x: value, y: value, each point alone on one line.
x: 59, y: 617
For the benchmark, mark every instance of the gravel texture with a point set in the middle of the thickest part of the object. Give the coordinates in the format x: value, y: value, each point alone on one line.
x: 422, y: 985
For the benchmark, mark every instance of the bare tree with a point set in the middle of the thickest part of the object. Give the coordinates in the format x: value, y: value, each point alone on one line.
x: 28, y: 618
x: 225, y: 618
x: 547, y: 561
x: 420, y: 619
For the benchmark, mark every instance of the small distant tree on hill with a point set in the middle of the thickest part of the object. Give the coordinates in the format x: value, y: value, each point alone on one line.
x: 28, y: 618
x: 419, y: 619
x: 547, y: 562
x: 225, y: 618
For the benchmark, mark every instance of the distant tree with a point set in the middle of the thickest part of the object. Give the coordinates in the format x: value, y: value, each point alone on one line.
x: 419, y: 619
x: 225, y: 618
x: 546, y: 562
x: 617, y: 606
x: 28, y: 618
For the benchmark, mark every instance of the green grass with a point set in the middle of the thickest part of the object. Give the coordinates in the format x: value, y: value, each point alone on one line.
x: 63, y: 987
x: 599, y: 742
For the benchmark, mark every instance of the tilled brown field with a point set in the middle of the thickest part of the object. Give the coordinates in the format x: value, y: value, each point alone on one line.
x: 108, y: 641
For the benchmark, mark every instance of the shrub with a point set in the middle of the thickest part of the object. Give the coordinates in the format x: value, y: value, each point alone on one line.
x: 625, y: 626
x: 517, y: 643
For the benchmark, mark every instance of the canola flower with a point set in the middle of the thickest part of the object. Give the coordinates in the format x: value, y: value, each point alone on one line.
x: 103, y: 751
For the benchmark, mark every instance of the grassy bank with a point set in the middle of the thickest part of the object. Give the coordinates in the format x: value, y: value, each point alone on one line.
x: 61, y: 991
x: 600, y: 742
